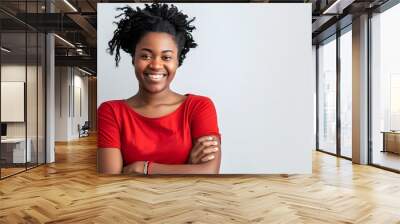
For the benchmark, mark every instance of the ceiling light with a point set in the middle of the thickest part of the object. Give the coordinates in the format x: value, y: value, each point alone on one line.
x: 331, y: 7
x: 70, y: 5
x: 337, y: 7
x: 79, y: 51
x: 5, y: 50
x: 65, y: 41
x: 84, y: 71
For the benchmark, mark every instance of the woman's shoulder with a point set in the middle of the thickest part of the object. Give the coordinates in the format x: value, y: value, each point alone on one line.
x: 110, y: 105
x: 200, y: 101
x: 199, y: 98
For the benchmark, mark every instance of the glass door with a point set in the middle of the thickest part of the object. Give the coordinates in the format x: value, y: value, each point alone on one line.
x: 327, y: 96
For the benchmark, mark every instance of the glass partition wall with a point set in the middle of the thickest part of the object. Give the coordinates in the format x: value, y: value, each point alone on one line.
x: 327, y: 95
x: 335, y: 87
x: 385, y: 89
x: 345, y: 61
x: 334, y: 58
x: 22, y: 77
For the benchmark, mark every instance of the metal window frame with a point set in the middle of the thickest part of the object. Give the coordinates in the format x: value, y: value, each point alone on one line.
x: 387, y: 5
x: 334, y: 37
x: 44, y: 73
x: 384, y: 7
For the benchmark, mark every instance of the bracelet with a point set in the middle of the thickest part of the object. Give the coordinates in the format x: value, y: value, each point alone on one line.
x: 145, y: 168
x: 148, y: 167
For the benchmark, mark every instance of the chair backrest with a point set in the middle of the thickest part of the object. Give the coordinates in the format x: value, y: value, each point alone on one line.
x: 86, y: 125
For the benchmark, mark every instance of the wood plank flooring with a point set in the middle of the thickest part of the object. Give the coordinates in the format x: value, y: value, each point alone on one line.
x: 387, y: 159
x: 10, y: 171
x: 70, y: 191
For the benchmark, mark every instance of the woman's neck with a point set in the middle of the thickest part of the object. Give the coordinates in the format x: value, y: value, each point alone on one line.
x: 150, y: 99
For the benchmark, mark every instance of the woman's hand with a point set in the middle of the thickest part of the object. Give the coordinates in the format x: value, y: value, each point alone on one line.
x: 134, y: 168
x: 204, y: 149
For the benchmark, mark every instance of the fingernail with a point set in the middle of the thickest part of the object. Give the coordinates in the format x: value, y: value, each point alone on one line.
x: 215, y: 143
x: 215, y: 149
x: 211, y: 157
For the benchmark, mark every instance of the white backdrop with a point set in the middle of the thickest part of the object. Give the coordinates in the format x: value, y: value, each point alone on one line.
x: 254, y: 61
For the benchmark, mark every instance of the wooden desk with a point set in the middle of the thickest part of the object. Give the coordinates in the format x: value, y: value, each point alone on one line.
x: 13, y: 150
x: 391, y: 141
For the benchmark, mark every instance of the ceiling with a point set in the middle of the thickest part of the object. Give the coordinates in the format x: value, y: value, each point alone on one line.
x: 76, y: 21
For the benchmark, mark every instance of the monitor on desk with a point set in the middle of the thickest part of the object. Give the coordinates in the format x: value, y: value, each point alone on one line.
x: 3, y: 130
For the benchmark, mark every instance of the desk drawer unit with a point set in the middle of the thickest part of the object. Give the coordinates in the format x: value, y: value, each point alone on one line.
x: 13, y: 151
x: 391, y: 142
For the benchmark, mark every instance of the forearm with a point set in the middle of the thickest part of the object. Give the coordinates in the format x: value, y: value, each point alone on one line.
x: 109, y: 161
x: 204, y: 168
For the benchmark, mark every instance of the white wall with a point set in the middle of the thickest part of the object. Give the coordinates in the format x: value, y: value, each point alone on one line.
x: 80, y: 84
x: 33, y: 127
x: 61, y: 103
x: 254, y: 62
x: 69, y: 79
x: 16, y: 73
x: 314, y: 73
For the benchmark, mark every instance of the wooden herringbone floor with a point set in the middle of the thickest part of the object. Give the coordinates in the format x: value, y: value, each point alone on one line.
x: 70, y: 191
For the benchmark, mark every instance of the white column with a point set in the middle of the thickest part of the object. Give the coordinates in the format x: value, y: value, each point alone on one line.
x: 50, y: 92
x: 50, y: 109
x: 360, y: 90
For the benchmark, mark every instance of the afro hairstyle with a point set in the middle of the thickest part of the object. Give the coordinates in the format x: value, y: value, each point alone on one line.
x: 156, y: 17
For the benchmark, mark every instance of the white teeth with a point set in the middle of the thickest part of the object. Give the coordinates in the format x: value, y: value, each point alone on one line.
x: 155, y: 76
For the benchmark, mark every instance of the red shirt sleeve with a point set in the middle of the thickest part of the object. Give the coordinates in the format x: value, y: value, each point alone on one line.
x: 108, y: 128
x: 204, y: 119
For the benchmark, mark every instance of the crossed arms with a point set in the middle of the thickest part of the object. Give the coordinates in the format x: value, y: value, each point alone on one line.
x: 205, y: 158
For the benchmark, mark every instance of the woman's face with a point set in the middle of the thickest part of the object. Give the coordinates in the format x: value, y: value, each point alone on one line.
x: 155, y: 61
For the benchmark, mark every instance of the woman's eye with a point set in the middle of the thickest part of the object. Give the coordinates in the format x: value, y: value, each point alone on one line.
x: 167, y: 58
x: 146, y: 57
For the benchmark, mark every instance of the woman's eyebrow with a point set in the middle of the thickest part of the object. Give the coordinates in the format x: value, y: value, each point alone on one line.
x: 147, y: 49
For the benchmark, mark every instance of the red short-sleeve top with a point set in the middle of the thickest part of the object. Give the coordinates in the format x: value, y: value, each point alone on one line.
x: 167, y: 139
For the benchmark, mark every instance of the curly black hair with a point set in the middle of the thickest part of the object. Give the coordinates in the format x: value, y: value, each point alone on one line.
x: 153, y: 18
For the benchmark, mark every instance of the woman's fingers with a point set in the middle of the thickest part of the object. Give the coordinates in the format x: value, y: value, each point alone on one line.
x: 203, y: 146
x: 203, y: 143
x: 208, y: 158
x: 210, y: 149
x: 207, y: 153
x: 203, y: 139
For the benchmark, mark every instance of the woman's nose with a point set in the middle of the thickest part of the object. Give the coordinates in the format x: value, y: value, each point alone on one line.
x: 155, y: 64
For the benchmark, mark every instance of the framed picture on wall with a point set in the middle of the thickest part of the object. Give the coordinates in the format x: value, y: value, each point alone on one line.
x: 12, y: 101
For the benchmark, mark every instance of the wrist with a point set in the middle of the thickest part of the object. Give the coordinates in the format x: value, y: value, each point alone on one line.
x: 138, y: 168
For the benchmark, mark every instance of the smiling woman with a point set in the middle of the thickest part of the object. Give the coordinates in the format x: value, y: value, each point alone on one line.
x: 156, y: 61
x: 157, y: 131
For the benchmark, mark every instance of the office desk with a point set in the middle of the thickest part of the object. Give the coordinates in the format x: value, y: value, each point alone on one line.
x: 391, y: 141
x: 13, y: 150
